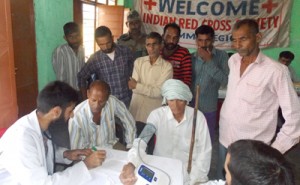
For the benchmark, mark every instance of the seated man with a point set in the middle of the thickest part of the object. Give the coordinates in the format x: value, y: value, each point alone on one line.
x: 26, y: 152
x: 250, y: 162
x: 172, y: 125
x: 93, y: 123
x: 286, y: 58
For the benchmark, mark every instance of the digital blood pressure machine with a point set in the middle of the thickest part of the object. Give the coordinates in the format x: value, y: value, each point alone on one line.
x: 151, y: 176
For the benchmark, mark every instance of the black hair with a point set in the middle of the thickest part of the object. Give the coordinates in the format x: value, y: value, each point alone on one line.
x: 155, y: 35
x: 71, y: 27
x: 172, y: 25
x: 54, y: 94
x: 287, y: 54
x: 251, y: 23
x: 254, y: 162
x: 102, y: 31
x: 206, y: 30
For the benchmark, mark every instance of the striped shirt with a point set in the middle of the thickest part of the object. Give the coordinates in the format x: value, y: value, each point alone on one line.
x: 66, y: 64
x: 209, y: 75
x: 85, y: 133
x: 252, y: 101
x: 114, y: 72
x: 183, y: 70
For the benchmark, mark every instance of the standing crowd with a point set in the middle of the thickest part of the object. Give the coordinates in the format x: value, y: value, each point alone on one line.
x: 144, y: 86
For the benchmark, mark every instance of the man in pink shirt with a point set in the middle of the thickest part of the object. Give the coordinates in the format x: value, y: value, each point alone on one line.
x: 257, y: 86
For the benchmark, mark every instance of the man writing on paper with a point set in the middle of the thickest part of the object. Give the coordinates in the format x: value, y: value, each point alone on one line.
x: 172, y: 125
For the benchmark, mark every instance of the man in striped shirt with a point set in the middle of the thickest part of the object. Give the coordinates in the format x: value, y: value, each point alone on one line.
x: 93, y: 123
x: 209, y: 71
x: 178, y: 56
x: 68, y: 59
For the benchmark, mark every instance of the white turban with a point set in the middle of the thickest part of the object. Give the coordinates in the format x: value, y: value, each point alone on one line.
x: 175, y: 89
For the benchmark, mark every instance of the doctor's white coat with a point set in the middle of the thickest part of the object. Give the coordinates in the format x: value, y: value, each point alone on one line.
x: 23, y: 159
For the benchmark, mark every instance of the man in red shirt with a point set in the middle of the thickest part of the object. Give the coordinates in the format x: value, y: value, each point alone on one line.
x: 178, y: 56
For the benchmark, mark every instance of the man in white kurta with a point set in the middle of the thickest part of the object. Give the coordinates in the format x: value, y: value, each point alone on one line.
x: 173, y: 137
x: 27, y: 157
x: 149, y: 73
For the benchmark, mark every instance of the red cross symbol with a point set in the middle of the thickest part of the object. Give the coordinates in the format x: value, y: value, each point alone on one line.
x: 150, y: 3
x: 269, y: 6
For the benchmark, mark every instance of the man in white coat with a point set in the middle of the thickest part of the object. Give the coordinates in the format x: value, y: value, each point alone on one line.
x: 26, y: 151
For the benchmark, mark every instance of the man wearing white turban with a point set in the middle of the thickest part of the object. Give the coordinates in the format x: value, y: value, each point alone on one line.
x: 172, y: 125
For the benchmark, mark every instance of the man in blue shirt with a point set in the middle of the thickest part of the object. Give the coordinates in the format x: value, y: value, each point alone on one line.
x: 210, y: 71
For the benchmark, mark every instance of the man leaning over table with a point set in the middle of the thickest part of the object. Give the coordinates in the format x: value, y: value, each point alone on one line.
x: 93, y: 123
x: 26, y: 151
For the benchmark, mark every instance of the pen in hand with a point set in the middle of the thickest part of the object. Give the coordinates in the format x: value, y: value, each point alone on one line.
x: 94, y: 149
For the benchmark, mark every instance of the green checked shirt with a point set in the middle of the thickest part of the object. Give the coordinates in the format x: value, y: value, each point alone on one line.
x: 210, y: 76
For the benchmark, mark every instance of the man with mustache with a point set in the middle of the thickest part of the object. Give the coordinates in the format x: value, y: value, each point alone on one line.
x: 257, y: 86
x: 93, y: 123
x: 210, y: 71
x: 68, y: 59
x: 178, y: 56
x: 135, y: 39
x: 113, y: 64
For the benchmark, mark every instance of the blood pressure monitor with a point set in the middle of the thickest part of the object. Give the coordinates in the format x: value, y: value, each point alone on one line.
x: 150, y: 176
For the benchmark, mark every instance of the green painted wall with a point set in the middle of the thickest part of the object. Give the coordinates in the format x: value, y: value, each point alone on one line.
x: 294, y: 39
x: 120, y: 2
x: 50, y: 16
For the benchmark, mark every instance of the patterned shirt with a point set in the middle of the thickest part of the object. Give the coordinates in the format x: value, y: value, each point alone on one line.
x: 66, y: 64
x: 183, y: 70
x: 114, y: 72
x: 209, y: 75
x: 136, y: 46
x: 252, y: 101
x: 85, y: 133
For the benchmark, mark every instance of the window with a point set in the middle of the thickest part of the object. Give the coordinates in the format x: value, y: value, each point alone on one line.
x: 100, y: 12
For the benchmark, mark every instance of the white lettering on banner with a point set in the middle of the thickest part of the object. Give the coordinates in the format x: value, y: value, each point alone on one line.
x: 273, y: 17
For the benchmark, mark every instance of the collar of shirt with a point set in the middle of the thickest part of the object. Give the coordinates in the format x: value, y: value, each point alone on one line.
x: 259, y: 59
x: 171, y: 117
x: 158, y: 61
x: 90, y: 114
